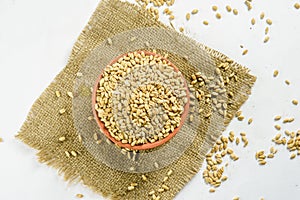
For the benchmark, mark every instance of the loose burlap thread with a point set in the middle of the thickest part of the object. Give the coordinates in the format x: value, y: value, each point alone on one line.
x: 44, y: 125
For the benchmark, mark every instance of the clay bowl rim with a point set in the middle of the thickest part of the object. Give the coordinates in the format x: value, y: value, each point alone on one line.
x: 147, y: 145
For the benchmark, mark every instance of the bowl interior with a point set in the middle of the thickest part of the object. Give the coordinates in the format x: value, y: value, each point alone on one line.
x: 147, y: 145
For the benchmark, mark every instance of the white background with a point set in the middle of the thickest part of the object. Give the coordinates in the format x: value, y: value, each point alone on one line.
x: 36, y: 37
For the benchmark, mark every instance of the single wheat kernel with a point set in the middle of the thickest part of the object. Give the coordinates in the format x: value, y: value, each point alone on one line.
x: 297, y: 6
x: 79, y: 196
x: 147, y: 44
x: 181, y: 29
x: 245, y: 52
x: 236, y: 198
x: 151, y: 193
x: 134, y: 184
x: 172, y: 17
x: 234, y: 157
x: 229, y: 151
x: 237, y: 141
x: 277, y: 137
x: 231, y: 138
x: 275, y: 73
x: 252, y: 21
x: 290, y: 134
x: 144, y: 178
x: 231, y: 133
x: 261, y: 157
x: 165, y: 179
x: 278, y: 127
x: 283, y: 140
x: 109, y: 41
x: 269, y: 21
x: 246, y: 142
x: 267, y: 30
x: 261, y: 152
x: 188, y: 16
x: 62, y: 111
x: 262, y: 15
x: 272, y: 150
x: 195, y: 11
x: 169, y: 12
x: 79, y: 138
x: 74, y: 153
x: 235, y: 12
x: 214, y: 8
x: 228, y: 8
x: 278, y: 142
x: 212, y: 190
x: 267, y: 38
x: 160, y: 190
x: 295, y: 102
x: 67, y: 154
x: 243, y: 135
x: 270, y: 155
x: 70, y: 94
x: 166, y: 10
x: 165, y: 187
x: 224, y: 178
x: 98, y: 141
x: 287, y: 82
x: 241, y: 118
x: 1, y: 140
x: 218, y: 16
x: 130, y: 188
x: 293, y: 156
x: 277, y: 118
x: 262, y: 162
x: 205, y: 23
x: 61, y: 139
x: 95, y: 136
x: 250, y: 121
x: 170, y: 172
x: 57, y: 93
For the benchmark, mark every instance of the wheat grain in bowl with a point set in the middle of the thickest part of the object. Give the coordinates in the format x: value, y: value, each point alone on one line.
x: 140, y: 100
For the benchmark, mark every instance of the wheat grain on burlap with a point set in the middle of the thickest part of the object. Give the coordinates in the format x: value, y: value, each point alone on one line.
x: 44, y: 124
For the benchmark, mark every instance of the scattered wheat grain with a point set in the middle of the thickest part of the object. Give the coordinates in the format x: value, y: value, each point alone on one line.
x: 79, y: 196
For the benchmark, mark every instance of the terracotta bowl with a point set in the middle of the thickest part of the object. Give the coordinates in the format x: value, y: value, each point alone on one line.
x: 148, y: 145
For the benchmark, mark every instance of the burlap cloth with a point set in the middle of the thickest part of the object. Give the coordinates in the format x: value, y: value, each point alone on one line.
x: 44, y: 125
